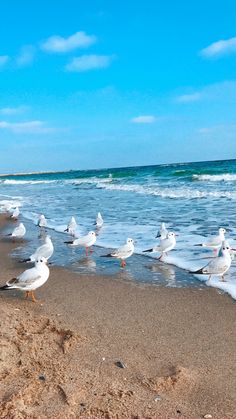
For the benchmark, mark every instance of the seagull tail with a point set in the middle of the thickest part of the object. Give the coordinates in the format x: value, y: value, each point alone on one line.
x: 7, y: 235
x: 24, y: 260
x: 199, y: 244
x: 5, y: 288
x: 109, y: 255
x: 66, y: 230
x: 148, y: 250
x: 70, y: 242
x: 198, y: 272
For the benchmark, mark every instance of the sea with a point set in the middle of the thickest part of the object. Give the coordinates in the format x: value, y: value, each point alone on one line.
x: 193, y: 199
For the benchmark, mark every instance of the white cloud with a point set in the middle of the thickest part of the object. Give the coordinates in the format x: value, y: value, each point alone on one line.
x: 31, y: 127
x: 144, y: 119
x: 193, y: 97
x: 13, y: 111
x: 89, y: 62
x: 3, y: 60
x: 60, y: 44
x: 219, y: 48
x: 26, y: 56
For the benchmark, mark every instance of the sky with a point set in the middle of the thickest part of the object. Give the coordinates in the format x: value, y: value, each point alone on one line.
x: 101, y: 83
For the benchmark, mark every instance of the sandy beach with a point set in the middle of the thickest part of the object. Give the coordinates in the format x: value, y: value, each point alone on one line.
x: 98, y: 347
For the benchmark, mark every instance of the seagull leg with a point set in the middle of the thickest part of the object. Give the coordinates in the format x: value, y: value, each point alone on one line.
x: 33, y: 297
x: 86, y: 251
x: 27, y: 294
x: 223, y: 279
x: 209, y: 278
x: 123, y: 263
x: 91, y: 250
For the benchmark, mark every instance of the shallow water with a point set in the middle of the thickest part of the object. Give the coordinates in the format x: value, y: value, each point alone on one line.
x: 193, y: 199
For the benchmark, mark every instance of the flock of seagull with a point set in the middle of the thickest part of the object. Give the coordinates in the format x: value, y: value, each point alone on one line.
x: 35, y: 277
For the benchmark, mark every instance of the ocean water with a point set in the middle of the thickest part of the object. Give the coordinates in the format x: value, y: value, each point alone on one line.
x: 193, y: 199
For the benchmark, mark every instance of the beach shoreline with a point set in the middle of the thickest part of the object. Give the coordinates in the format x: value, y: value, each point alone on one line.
x: 64, y: 359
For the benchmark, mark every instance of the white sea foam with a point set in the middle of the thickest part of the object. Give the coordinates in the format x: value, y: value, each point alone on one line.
x: 168, y: 192
x: 226, y: 177
x: 92, y: 180
x: 25, y: 182
x: 9, y: 203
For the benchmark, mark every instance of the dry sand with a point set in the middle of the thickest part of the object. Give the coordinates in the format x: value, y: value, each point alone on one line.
x: 58, y: 360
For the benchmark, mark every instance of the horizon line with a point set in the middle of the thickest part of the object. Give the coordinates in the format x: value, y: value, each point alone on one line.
x: 48, y: 172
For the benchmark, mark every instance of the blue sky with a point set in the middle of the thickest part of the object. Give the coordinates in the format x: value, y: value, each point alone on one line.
x: 102, y: 83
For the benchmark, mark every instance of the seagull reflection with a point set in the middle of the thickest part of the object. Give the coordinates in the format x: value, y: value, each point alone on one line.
x: 165, y: 271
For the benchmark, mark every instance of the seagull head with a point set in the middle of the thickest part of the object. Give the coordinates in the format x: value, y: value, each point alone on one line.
x: 130, y: 241
x: 92, y: 233
x: 222, y: 231
x: 171, y: 235
x: 225, y: 249
x: 41, y: 261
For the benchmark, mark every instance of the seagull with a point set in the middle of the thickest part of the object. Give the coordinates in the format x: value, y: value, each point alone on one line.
x: 99, y: 220
x: 46, y: 251
x: 165, y: 245
x: 162, y: 233
x: 219, y: 265
x: 123, y: 252
x: 15, y: 213
x: 215, y: 242
x: 85, y: 241
x: 42, y: 222
x: 18, y: 232
x: 71, y: 226
x: 30, y: 280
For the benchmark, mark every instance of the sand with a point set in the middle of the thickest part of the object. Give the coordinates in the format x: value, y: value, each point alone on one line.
x: 64, y: 358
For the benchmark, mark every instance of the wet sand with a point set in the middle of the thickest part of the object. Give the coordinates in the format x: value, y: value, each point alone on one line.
x: 59, y: 359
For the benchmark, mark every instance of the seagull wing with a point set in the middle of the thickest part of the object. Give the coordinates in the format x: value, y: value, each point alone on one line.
x: 26, y: 278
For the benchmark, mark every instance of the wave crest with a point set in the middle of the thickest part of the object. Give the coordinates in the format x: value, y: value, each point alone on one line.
x: 169, y: 193
x: 225, y: 177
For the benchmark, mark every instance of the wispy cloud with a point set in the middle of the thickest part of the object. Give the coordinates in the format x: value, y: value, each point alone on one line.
x: 60, y: 44
x: 14, y: 111
x: 193, y: 97
x: 3, y: 60
x: 89, y: 62
x: 31, y: 127
x: 219, y: 48
x: 26, y: 56
x: 144, y: 119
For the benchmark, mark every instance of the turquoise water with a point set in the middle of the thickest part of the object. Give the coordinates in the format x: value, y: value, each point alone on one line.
x: 194, y: 199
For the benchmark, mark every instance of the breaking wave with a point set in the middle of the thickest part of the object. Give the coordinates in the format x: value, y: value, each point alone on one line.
x: 169, y: 193
x: 225, y: 177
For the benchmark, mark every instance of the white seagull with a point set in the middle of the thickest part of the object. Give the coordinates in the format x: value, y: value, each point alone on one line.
x: 71, y: 226
x: 124, y: 252
x: 42, y: 222
x: 18, y: 232
x: 15, y: 213
x: 162, y: 233
x: 45, y: 251
x: 85, y: 241
x: 215, y: 242
x: 165, y: 245
x: 219, y: 265
x: 99, y: 220
x: 30, y: 280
